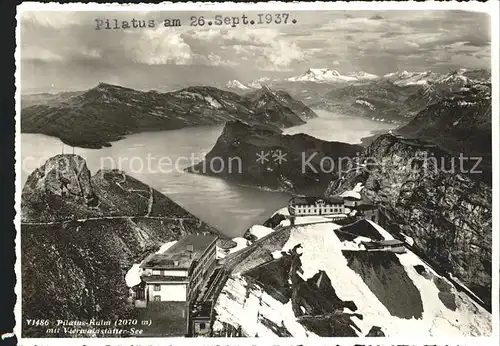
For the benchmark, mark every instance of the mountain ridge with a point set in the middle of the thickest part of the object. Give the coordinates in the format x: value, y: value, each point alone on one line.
x: 80, y: 233
x: 108, y: 112
x: 446, y: 210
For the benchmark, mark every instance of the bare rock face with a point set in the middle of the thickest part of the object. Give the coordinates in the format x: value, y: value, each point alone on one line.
x: 60, y: 188
x: 425, y: 194
x: 375, y: 332
x: 64, y: 175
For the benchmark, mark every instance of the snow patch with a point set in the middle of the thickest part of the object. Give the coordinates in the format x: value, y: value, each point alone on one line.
x: 133, y: 276
x: 277, y: 254
x: 241, y: 244
x: 408, y: 240
x: 381, y: 230
x: 243, y: 305
x: 213, y: 102
x: 166, y: 246
x: 365, y: 103
x: 260, y: 231
x: 358, y: 187
x: 351, y: 193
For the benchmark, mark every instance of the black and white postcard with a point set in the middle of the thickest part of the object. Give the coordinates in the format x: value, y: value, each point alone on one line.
x: 258, y: 170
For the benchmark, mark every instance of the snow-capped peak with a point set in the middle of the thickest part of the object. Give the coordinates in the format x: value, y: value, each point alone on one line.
x: 323, y: 72
x: 322, y: 75
x: 363, y: 75
x: 454, y: 77
x: 235, y: 84
x: 400, y: 74
x: 257, y: 84
x: 405, y: 77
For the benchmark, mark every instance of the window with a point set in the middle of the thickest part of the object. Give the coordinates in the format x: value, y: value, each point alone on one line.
x: 157, y: 288
x: 202, y: 325
x: 157, y: 298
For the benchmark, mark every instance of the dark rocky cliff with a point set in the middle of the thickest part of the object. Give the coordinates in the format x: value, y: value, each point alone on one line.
x: 298, y: 163
x: 424, y: 193
x: 81, y: 233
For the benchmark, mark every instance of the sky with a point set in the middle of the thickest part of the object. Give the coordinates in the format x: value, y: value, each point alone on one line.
x: 62, y: 51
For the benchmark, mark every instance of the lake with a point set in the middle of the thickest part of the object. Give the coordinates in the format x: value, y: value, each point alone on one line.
x: 158, y: 159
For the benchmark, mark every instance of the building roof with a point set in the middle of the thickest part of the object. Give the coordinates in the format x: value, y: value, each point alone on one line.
x: 359, y: 228
x: 391, y: 242
x: 180, y: 255
x: 366, y: 206
x: 383, y: 243
x: 162, y: 278
x: 313, y: 200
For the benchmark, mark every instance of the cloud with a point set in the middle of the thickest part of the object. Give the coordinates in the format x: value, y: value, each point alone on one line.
x: 376, y: 42
x: 271, y: 49
x: 161, y: 47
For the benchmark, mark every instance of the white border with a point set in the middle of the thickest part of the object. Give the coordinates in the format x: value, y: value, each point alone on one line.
x: 491, y: 7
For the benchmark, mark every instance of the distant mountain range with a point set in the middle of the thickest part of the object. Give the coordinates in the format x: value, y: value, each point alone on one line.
x: 106, y: 113
x: 326, y: 75
x: 401, y: 78
x: 395, y: 97
x: 459, y: 123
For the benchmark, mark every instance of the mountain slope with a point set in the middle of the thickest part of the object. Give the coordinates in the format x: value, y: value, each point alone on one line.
x: 46, y: 98
x: 304, y: 281
x: 265, y: 100
x: 460, y: 123
x: 378, y: 99
x: 106, y: 113
x: 256, y: 155
x: 425, y: 194
x: 80, y: 234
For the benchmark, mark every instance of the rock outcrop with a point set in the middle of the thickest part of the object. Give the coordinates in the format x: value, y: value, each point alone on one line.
x: 261, y: 156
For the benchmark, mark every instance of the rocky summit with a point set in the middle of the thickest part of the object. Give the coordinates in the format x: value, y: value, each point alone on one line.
x: 80, y: 233
x: 261, y: 156
x: 107, y: 112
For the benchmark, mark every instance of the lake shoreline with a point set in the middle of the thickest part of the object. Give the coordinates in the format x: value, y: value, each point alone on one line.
x: 229, y: 207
